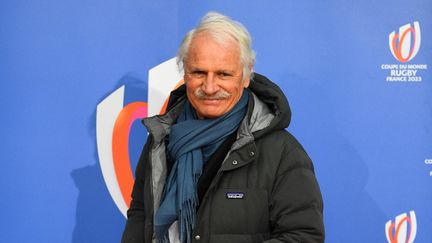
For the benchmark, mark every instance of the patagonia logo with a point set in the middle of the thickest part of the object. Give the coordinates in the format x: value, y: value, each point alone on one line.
x: 235, y: 195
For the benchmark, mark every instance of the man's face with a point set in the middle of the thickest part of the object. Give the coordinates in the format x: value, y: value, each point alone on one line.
x: 213, y: 76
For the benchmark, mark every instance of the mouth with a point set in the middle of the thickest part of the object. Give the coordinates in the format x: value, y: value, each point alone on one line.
x: 211, y: 101
x: 213, y: 98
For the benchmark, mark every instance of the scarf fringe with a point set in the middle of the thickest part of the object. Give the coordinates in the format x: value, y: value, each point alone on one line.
x: 162, y: 234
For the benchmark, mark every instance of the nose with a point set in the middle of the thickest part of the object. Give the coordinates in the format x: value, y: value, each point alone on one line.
x: 210, y: 85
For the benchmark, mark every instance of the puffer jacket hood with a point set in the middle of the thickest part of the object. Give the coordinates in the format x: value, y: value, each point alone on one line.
x: 267, y: 92
x: 271, y: 95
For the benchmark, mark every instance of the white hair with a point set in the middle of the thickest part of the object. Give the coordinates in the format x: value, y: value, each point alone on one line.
x: 223, y: 29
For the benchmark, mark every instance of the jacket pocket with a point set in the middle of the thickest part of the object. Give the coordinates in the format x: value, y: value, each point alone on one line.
x: 239, y: 211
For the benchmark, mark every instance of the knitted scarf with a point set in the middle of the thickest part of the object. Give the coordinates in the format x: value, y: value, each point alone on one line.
x: 191, y: 142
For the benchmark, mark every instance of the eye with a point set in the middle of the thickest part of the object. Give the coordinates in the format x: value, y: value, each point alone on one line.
x: 198, y: 73
x: 224, y: 74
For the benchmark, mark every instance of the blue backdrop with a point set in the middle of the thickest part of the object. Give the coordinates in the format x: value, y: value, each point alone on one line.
x: 369, y: 137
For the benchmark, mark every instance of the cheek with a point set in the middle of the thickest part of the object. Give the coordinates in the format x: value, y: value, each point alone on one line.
x: 235, y: 89
x: 190, y: 93
x: 192, y: 83
x: 191, y: 87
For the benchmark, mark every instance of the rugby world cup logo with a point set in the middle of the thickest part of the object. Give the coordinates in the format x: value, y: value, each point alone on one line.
x: 403, y: 229
x: 114, y: 118
x: 405, y: 44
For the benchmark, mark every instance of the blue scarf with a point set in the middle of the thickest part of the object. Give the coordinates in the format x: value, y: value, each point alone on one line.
x: 191, y: 143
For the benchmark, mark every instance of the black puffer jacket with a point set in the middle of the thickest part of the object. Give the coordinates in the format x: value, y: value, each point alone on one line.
x: 265, y: 190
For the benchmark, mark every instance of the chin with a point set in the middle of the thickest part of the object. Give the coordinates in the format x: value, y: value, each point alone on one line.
x: 210, y: 115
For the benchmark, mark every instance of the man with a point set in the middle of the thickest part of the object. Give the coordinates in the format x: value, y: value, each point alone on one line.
x: 218, y: 166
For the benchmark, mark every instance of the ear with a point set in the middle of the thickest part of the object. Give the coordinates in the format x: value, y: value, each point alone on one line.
x: 184, y: 76
x: 246, y: 81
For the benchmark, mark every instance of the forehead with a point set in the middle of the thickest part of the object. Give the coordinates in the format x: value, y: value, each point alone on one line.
x: 206, y: 50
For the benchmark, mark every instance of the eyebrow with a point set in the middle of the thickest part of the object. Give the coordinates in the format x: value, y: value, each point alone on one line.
x: 225, y: 71
x: 197, y: 69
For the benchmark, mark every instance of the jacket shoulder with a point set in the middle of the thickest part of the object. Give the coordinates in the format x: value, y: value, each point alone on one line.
x: 283, y: 148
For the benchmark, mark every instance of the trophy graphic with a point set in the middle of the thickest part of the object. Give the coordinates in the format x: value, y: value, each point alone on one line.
x: 403, y: 229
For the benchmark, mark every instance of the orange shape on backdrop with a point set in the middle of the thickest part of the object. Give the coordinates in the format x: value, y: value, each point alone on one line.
x: 398, y: 49
x: 120, y: 146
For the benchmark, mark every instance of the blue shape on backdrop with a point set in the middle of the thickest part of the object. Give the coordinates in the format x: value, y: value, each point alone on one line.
x: 97, y: 217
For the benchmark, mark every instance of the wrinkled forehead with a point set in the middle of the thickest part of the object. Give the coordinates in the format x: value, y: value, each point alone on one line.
x: 206, y: 46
